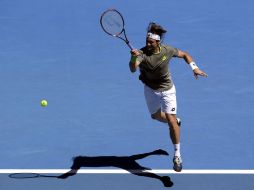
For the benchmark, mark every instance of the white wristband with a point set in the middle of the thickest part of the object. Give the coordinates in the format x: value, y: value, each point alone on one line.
x: 193, y: 65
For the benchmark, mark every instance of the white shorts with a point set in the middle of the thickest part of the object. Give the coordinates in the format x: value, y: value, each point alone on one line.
x: 166, y: 100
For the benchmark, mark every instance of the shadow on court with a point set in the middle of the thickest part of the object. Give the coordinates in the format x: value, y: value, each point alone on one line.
x: 124, y: 162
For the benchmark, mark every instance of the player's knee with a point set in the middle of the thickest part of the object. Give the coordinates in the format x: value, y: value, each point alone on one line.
x: 156, y: 115
x: 171, y: 120
x: 153, y: 116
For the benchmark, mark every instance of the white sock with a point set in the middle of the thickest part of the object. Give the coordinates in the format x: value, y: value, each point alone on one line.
x: 177, y: 150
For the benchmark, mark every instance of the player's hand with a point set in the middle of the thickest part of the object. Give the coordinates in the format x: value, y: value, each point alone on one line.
x: 135, y: 52
x: 197, y: 72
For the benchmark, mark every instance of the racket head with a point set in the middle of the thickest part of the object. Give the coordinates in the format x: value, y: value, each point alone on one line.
x: 112, y: 22
x: 24, y: 175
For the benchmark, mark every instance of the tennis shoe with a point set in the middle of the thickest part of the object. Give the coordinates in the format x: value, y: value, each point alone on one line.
x: 177, y: 163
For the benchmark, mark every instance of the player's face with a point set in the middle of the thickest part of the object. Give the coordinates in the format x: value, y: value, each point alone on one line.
x: 151, y: 44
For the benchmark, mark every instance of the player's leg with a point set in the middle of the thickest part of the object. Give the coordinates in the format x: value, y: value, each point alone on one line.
x: 161, y: 116
x: 174, y: 128
x: 169, y: 107
x: 166, y: 100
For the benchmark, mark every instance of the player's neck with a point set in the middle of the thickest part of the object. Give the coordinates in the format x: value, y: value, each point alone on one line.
x: 157, y: 50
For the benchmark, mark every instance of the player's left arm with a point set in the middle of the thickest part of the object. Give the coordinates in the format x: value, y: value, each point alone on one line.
x: 189, y: 60
x: 135, y: 61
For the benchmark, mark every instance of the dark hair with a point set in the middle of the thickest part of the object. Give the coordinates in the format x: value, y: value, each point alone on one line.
x: 156, y: 29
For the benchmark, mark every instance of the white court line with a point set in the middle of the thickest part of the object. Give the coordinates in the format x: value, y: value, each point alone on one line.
x: 120, y: 171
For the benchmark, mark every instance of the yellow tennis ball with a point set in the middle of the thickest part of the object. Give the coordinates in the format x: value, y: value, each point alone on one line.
x: 44, y: 103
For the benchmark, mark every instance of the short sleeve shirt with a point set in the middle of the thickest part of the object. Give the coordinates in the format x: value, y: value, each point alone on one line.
x: 154, y: 68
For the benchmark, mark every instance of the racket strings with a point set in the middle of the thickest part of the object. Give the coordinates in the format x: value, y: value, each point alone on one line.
x: 112, y: 22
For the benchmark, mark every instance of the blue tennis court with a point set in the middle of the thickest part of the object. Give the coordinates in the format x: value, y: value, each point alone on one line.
x: 118, y: 181
x: 56, y: 50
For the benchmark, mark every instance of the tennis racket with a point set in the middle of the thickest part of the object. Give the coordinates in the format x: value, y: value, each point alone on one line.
x: 29, y: 175
x: 112, y: 23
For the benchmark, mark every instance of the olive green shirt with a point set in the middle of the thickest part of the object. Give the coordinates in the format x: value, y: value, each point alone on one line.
x: 154, y: 68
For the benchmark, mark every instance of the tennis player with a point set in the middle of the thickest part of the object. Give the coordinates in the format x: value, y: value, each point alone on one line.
x: 159, y: 90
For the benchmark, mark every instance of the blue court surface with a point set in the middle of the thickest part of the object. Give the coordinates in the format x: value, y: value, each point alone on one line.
x: 56, y: 50
x: 126, y: 181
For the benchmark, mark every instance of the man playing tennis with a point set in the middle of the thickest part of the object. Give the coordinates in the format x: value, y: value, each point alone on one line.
x: 159, y: 90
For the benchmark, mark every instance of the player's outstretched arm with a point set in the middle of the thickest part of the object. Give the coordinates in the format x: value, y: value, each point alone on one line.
x: 188, y: 59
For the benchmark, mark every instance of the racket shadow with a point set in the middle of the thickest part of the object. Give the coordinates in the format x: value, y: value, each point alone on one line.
x: 128, y: 163
x: 30, y: 175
